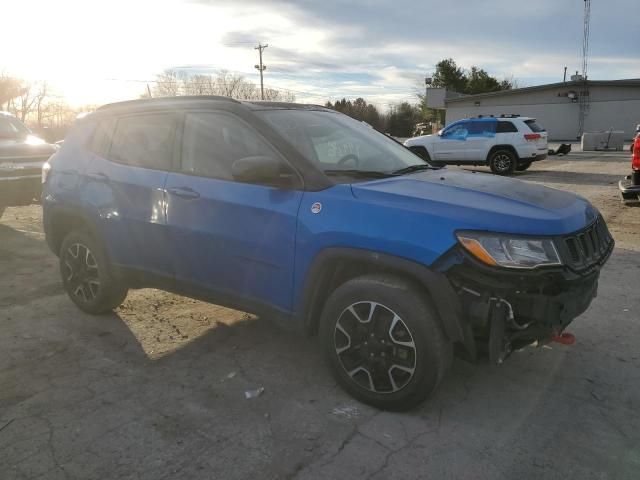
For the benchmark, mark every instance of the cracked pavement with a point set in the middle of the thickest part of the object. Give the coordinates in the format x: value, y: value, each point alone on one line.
x: 156, y: 390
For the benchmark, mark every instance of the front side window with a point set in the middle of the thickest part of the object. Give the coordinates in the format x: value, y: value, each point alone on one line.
x: 144, y: 141
x: 212, y: 142
x: 456, y: 131
x: 337, y: 144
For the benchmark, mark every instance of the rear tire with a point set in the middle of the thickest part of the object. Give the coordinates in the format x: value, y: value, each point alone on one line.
x: 523, y: 166
x: 87, y: 275
x: 502, y: 162
x: 383, y: 342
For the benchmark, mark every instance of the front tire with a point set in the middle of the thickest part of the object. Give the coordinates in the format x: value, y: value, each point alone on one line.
x: 523, y: 166
x: 383, y: 341
x: 502, y: 162
x: 87, y: 275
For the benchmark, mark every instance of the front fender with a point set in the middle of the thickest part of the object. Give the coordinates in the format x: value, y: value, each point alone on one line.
x: 318, y: 279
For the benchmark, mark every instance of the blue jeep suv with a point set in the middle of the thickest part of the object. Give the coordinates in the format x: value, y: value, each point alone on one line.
x: 302, y: 214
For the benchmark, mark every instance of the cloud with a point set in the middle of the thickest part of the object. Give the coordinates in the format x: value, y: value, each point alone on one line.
x: 318, y: 48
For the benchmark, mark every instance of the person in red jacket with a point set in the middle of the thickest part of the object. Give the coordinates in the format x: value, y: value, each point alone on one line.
x: 635, y: 161
x: 630, y: 185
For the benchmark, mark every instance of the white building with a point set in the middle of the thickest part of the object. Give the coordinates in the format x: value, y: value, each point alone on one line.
x: 612, y: 104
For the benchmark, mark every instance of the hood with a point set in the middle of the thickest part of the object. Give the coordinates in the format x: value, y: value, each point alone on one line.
x: 421, y: 140
x: 479, y: 201
x: 28, y: 148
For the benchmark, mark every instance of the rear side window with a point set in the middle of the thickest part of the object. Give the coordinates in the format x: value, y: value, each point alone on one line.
x: 100, y: 140
x: 534, y: 126
x: 506, y: 127
x: 144, y: 141
x: 213, y: 141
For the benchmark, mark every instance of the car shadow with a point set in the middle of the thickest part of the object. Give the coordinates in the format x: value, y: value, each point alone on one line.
x: 561, y: 177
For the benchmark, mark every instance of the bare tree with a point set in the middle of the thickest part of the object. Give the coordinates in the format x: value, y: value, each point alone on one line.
x: 24, y: 103
x: 173, y: 83
x: 10, y: 88
x: 168, y: 84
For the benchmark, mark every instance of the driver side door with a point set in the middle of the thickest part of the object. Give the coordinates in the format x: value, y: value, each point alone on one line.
x: 451, y: 146
x: 235, y: 240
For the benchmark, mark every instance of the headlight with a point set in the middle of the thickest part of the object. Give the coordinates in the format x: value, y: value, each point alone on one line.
x: 46, y: 169
x: 507, y: 251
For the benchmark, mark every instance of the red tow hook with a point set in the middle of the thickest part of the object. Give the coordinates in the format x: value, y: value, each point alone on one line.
x: 565, y: 338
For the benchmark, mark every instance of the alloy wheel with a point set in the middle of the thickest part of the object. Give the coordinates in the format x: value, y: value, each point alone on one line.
x: 502, y: 161
x: 375, y: 347
x: 81, y: 272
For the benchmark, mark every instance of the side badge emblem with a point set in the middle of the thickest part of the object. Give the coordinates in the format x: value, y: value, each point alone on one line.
x: 316, y: 207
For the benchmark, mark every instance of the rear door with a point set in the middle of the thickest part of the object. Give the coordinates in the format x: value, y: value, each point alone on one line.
x: 480, y: 137
x: 236, y: 240
x: 125, y: 185
x: 507, y: 134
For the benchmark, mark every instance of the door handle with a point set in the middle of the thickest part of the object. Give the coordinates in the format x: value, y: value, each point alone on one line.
x: 184, y: 192
x: 98, y: 176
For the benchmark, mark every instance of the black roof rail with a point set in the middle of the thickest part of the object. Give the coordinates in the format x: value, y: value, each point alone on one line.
x: 151, y: 101
x: 502, y: 115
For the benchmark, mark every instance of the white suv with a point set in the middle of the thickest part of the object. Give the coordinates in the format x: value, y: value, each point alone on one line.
x: 505, y: 143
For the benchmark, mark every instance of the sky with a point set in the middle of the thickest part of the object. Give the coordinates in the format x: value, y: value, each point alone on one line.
x: 97, y: 51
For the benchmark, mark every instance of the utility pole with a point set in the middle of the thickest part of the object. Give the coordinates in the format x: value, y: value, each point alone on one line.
x: 261, y: 67
x: 584, y: 94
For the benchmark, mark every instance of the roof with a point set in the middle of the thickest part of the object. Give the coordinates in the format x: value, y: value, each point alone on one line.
x: 165, y: 101
x: 632, y: 82
x: 261, y: 105
x: 198, y: 100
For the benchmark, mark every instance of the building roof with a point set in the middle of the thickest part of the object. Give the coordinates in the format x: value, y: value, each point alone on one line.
x: 631, y: 82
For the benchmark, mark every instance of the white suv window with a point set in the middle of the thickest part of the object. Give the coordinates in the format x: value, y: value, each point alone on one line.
x: 535, y: 128
x: 505, y: 126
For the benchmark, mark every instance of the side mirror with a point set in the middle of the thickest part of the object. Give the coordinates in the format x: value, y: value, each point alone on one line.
x: 440, y: 132
x: 263, y: 170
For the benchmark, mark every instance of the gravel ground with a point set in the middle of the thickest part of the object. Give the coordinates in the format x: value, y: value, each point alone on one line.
x: 157, y: 389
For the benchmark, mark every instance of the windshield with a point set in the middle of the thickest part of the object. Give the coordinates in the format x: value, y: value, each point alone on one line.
x: 339, y: 145
x: 12, y: 128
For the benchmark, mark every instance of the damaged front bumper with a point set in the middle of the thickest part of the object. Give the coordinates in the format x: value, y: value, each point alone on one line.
x: 506, y: 309
x: 629, y: 187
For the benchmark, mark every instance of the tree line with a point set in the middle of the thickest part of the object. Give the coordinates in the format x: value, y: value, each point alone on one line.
x: 402, y: 118
x: 399, y: 121
x: 173, y: 83
x: 34, y: 103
